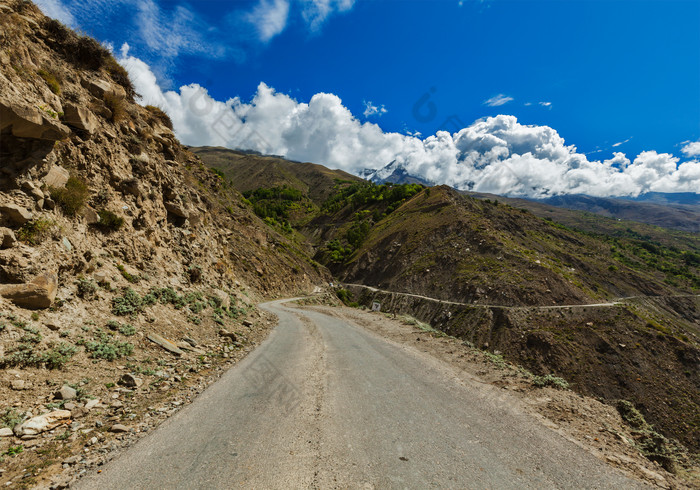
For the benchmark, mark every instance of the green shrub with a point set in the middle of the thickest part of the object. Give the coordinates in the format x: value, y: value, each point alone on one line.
x: 10, y: 418
x: 86, y: 288
x: 105, y: 347
x: 127, y: 330
x: 129, y: 303
x: 550, y: 380
x: 51, y: 80
x: 57, y: 357
x: 129, y: 277
x: 24, y: 355
x: 35, y: 232
x: 72, y: 197
x: 109, y: 221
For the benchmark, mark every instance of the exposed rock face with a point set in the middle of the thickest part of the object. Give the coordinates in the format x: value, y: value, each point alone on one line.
x: 7, y: 238
x: 42, y: 423
x: 37, y: 294
x: 28, y: 122
x: 80, y: 117
x: 16, y: 215
x: 57, y: 177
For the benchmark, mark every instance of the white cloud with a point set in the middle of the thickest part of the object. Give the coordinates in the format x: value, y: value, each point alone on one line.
x: 495, y: 154
x: 269, y: 18
x: 692, y: 149
x: 56, y: 10
x: 373, y: 110
x: 316, y: 12
x: 548, y: 105
x: 620, y: 143
x: 498, y: 100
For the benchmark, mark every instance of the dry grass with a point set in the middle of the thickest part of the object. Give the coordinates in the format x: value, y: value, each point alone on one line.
x: 160, y: 115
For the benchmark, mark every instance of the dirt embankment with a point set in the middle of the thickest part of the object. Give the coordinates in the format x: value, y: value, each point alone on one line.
x: 626, y: 351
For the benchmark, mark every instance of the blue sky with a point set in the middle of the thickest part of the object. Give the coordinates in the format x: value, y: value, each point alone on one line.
x: 607, y: 76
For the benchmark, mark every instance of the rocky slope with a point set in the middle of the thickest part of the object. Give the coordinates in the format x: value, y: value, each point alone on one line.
x: 121, y: 255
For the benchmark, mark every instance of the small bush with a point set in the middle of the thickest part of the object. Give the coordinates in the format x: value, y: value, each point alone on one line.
x: 72, y: 197
x: 129, y: 277
x: 105, y: 347
x: 550, y: 380
x: 160, y: 115
x: 129, y: 303
x: 86, y: 288
x: 35, y: 232
x: 127, y: 330
x: 51, y: 80
x: 109, y: 221
x: 57, y: 357
x: 10, y: 418
x: 117, y: 106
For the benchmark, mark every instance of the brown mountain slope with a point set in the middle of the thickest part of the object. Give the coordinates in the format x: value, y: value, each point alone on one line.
x: 250, y: 171
x: 446, y: 246
x: 571, y: 209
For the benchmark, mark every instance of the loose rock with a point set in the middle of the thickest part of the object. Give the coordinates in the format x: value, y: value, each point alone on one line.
x: 42, y: 423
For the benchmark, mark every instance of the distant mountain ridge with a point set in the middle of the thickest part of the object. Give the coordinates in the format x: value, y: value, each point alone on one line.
x: 680, y: 211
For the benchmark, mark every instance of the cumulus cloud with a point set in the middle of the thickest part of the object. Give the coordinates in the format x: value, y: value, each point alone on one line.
x: 373, y: 110
x: 692, y: 149
x: 498, y: 100
x: 495, y: 154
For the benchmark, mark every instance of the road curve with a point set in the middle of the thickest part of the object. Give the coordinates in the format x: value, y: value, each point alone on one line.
x: 325, y: 404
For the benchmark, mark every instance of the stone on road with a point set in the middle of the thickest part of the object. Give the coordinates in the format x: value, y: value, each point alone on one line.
x: 323, y: 403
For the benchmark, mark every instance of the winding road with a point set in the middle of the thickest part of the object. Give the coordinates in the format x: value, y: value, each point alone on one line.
x: 323, y: 403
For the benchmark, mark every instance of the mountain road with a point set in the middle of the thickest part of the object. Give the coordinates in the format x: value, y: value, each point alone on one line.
x: 324, y: 403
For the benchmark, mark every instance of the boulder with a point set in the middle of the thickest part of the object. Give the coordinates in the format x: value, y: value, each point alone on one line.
x: 17, y: 215
x: 176, y: 208
x: 30, y: 122
x: 7, y: 238
x: 42, y: 423
x: 66, y: 393
x: 37, y: 294
x: 229, y: 335
x: 222, y: 298
x: 165, y: 344
x: 79, y: 117
x: 6, y: 432
x: 117, y: 428
x: 18, y: 384
x: 90, y: 404
x: 99, y: 87
x: 130, y: 381
x: 57, y: 177
x: 90, y: 215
